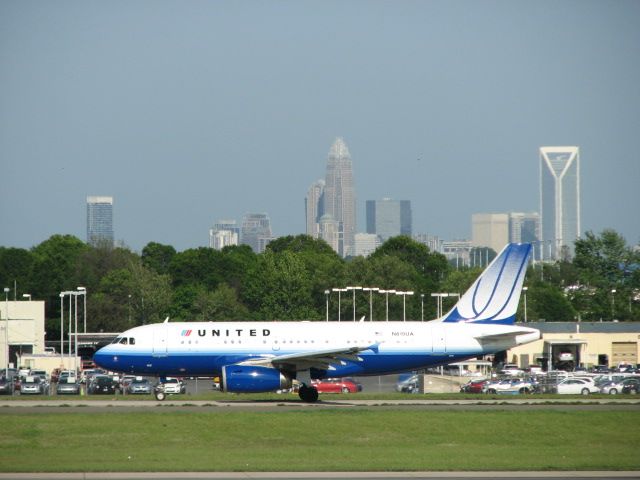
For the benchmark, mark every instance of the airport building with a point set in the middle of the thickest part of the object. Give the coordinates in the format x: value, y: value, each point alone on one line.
x: 582, y: 343
x: 26, y: 330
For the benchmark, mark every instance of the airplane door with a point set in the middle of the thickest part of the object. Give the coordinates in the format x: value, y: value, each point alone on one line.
x: 438, y: 339
x: 160, y: 340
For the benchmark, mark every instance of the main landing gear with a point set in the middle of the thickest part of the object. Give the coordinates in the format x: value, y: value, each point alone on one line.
x: 308, y: 394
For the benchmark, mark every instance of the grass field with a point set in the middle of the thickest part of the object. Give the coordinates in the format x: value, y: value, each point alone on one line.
x: 320, y: 440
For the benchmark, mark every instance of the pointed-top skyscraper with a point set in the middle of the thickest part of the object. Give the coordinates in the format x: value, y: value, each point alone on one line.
x: 559, y: 199
x: 339, y: 196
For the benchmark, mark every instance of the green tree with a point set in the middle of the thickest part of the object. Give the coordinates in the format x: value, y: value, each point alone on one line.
x: 278, y: 288
x: 221, y: 304
x: 197, y: 266
x: 157, y: 257
x: 16, y: 267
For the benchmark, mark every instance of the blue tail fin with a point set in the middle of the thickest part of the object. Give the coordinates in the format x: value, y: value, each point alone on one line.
x: 494, y: 296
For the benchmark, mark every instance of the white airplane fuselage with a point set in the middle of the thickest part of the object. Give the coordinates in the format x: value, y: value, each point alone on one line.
x: 204, y: 348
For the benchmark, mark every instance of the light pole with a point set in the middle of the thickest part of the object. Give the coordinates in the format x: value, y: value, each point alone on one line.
x: 387, y: 292
x: 83, y: 291
x: 339, y: 290
x: 524, y: 290
x: 61, y: 328
x: 613, y: 303
x: 6, y: 332
x: 370, y: 290
x: 326, y: 294
x: 439, y: 297
x: 26, y: 295
x: 422, y: 307
x: 404, y: 304
x: 353, y: 289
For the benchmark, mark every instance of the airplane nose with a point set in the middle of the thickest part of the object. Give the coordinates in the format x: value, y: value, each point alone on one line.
x: 103, y: 358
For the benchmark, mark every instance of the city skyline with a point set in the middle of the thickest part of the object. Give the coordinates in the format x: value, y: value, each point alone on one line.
x: 188, y: 115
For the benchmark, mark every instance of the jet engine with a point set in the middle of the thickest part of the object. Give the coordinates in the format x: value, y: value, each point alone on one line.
x: 248, y: 378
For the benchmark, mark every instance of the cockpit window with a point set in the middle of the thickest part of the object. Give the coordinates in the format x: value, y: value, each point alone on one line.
x: 116, y: 340
x: 124, y: 340
x: 132, y: 341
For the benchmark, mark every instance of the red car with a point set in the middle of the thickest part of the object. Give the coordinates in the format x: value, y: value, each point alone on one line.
x: 474, y: 386
x: 336, y: 385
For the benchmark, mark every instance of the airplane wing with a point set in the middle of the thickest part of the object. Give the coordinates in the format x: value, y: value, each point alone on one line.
x: 322, y: 360
x: 494, y: 337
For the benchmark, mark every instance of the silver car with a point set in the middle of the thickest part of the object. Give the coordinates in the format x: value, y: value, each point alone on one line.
x: 68, y: 387
x: 32, y: 386
x: 140, y: 386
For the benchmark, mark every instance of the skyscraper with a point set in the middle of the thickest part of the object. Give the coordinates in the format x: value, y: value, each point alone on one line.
x: 223, y: 234
x: 100, y: 221
x: 490, y: 230
x: 256, y: 231
x: 388, y: 218
x: 339, y: 196
x: 525, y: 227
x: 313, y: 205
x: 559, y: 199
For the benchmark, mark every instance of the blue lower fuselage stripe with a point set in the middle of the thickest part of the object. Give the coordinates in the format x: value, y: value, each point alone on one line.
x: 210, y: 364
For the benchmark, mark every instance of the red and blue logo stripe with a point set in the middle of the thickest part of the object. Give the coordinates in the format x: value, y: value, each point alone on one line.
x: 186, y: 333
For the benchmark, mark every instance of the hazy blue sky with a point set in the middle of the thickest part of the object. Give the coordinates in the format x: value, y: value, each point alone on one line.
x: 192, y: 111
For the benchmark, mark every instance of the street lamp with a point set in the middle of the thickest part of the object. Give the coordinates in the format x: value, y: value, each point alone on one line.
x: 524, y: 290
x: 387, y: 292
x: 6, y: 331
x: 326, y: 294
x: 83, y: 291
x: 26, y: 295
x: 613, y: 303
x: 339, y: 290
x: 439, y: 297
x: 61, y: 328
x: 422, y: 307
x: 370, y: 290
x: 353, y: 289
x: 404, y: 304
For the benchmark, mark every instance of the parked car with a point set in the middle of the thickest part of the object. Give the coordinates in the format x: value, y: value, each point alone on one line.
x: 510, y: 369
x: 68, y: 387
x: 33, y: 386
x: 509, y: 386
x: 631, y: 385
x: 612, y: 387
x: 335, y: 385
x: 6, y: 386
x: 577, y: 386
x: 408, y: 385
x: 140, y: 386
x: 102, y: 384
x: 474, y: 386
x: 173, y: 386
x: 40, y: 373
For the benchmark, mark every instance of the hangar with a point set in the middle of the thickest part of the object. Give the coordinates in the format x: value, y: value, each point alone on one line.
x: 565, y: 345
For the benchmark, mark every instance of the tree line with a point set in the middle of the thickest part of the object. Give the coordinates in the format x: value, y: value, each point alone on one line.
x: 289, y: 280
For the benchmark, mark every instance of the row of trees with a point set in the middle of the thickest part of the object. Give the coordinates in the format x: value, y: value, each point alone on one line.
x: 289, y: 280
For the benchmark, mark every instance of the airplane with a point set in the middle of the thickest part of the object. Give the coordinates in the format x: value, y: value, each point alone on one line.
x: 268, y: 356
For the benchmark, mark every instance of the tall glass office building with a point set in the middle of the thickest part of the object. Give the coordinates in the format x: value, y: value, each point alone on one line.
x: 339, y: 199
x: 100, y: 221
x: 388, y: 218
x: 256, y: 231
x: 559, y: 200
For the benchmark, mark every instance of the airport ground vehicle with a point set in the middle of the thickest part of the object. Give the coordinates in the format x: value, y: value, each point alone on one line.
x: 68, y: 387
x: 577, y: 386
x: 335, y: 385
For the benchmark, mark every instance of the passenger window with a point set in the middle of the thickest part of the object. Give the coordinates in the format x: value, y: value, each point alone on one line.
x: 132, y: 341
